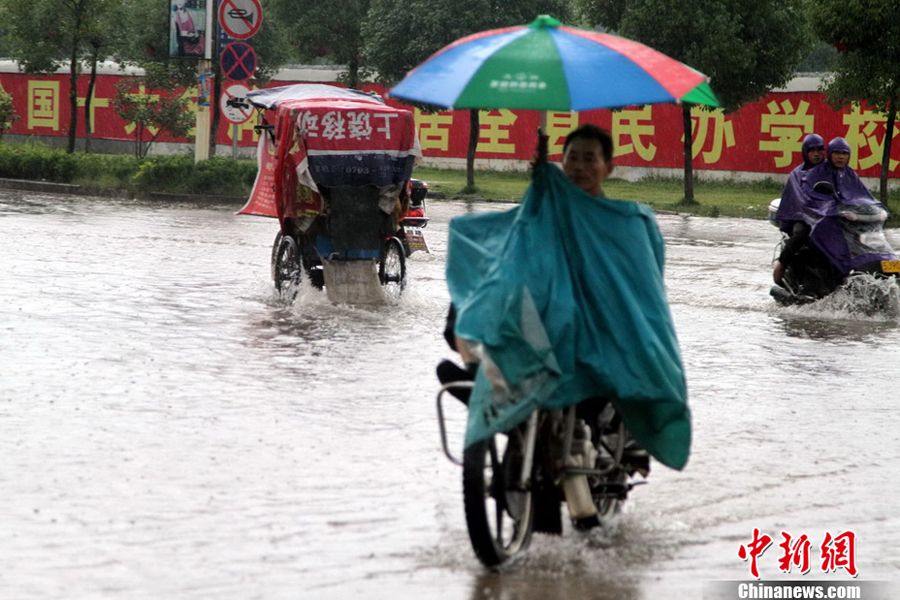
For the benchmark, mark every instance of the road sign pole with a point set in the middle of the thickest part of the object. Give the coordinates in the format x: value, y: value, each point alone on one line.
x: 202, y: 123
x: 210, y: 29
x: 234, y: 140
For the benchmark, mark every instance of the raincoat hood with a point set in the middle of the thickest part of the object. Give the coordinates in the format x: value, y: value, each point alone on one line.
x: 813, y: 140
x: 838, y: 144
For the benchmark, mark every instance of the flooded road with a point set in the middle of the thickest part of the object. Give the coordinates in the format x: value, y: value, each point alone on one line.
x: 169, y: 429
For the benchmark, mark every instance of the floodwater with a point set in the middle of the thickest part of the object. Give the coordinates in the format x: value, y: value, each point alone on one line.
x: 170, y: 429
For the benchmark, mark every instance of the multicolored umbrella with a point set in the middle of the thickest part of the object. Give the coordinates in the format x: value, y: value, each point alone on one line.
x: 549, y: 66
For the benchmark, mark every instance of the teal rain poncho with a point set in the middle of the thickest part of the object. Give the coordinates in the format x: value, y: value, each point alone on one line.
x: 565, y: 297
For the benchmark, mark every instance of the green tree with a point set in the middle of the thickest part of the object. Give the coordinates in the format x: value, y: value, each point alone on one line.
x: 101, y: 35
x: 599, y: 12
x: 146, y: 45
x: 151, y: 113
x: 746, y: 47
x: 315, y: 29
x: 7, y: 111
x: 822, y: 59
x: 400, y: 34
x: 44, y: 35
x: 866, y: 34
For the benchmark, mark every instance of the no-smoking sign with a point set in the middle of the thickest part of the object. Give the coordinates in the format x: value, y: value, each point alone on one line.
x: 235, y: 114
x: 240, y: 19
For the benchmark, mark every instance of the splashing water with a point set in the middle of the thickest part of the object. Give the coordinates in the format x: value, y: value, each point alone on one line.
x: 864, y: 295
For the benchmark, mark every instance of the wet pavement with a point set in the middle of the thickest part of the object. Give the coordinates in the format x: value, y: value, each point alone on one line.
x: 171, y: 429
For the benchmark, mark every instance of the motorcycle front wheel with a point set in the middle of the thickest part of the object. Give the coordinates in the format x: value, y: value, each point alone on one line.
x: 499, y: 514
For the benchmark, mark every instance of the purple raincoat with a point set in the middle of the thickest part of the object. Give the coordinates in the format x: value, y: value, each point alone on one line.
x: 847, y: 226
x: 790, y: 208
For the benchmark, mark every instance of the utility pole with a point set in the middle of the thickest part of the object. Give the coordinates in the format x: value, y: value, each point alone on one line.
x: 202, y: 128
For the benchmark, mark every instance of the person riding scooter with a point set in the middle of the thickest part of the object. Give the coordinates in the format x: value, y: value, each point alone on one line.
x: 844, y: 230
x: 847, y: 222
x: 811, y: 272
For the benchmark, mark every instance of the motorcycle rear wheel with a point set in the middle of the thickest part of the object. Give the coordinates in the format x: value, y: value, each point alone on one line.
x: 499, y: 515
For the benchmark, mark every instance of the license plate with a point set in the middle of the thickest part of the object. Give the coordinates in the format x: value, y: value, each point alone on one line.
x: 890, y: 266
x: 415, y: 238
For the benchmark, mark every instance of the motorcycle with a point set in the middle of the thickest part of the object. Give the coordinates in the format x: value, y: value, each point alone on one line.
x: 415, y: 220
x: 515, y: 481
x: 859, y: 230
x: 539, y: 432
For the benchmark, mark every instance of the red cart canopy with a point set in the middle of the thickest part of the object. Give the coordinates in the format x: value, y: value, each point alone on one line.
x: 352, y: 139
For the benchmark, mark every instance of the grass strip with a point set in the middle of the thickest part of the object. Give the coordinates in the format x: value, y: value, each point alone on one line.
x: 713, y: 198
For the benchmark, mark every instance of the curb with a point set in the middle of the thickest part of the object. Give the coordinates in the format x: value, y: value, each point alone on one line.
x: 71, y: 189
x: 39, y: 186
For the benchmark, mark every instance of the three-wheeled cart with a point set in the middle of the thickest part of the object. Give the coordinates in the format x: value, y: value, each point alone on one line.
x: 335, y: 168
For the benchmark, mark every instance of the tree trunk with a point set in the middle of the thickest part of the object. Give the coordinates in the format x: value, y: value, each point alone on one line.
x: 77, y: 14
x: 353, y: 72
x: 886, y: 154
x: 89, y: 98
x: 153, y: 137
x: 73, y: 98
x: 474, y: 133
x: 688, y: 155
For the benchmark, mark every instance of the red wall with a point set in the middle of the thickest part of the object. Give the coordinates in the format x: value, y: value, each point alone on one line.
x: 763, y: 136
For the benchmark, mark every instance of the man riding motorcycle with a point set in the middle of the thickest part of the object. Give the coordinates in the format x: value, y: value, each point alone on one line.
x: 563, y: 301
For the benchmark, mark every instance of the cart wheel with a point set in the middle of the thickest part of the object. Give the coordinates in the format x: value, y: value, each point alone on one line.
x: 499, y: 517
x: 275, y: 246
x: 392, y: 267
x: 286, y: 268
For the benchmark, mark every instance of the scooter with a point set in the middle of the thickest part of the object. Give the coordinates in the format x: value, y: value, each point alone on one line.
x: 812, y: 276
x: 415, y: 220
